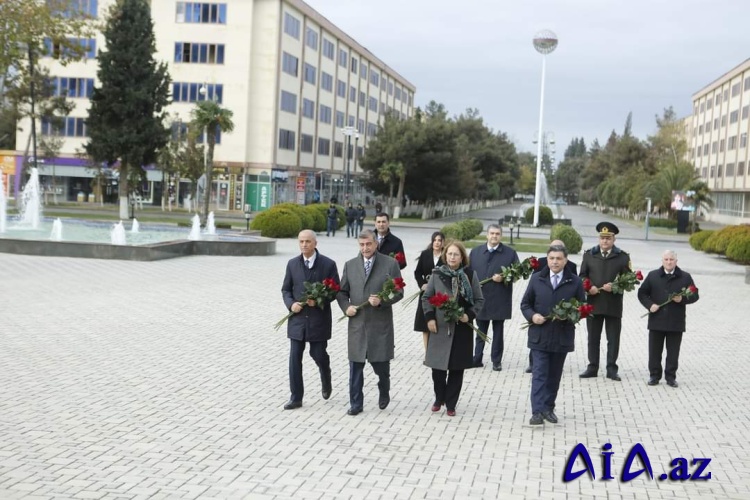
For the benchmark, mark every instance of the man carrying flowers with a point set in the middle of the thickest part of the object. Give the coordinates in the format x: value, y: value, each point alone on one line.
x: 311, y: 321
x: 370, y: 329
x: 602, y: 265
x: 665, y: 293
x: 550, y: 339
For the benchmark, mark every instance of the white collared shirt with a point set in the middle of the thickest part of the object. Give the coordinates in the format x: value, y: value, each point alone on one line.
x: 311, y: 260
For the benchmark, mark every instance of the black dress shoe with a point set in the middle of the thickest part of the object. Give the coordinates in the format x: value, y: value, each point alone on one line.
x: 293, y: 405
x: 383, y: 402
x: 653, y: 381
x: 672, y: 383
x: 549, y: 416
x: 354, y: 411
x: 326, y: 392
x: 478, y: 364
x: 588, y: 373
x: 498, y: 367
x: 536, y: 419
x: 614, y: 377
x: 528, y: 369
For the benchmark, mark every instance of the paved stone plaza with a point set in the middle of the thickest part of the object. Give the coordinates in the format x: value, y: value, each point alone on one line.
x: 166, y: 380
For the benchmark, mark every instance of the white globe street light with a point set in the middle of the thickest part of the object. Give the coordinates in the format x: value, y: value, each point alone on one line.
x: 544, y: 42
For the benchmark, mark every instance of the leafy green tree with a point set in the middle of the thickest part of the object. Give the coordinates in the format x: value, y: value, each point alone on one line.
x: 190, y: 162
x: 214, y: 119
x: 126, y: 119
x: 701, y: 195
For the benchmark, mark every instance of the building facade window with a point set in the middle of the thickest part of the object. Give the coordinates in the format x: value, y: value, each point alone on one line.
x: 372, y: 129
x: 741, y: 168
x: 77, y: 8
x: 288, y: 102
x: 306, y: 143
x: 361, y: 126
x: 308, y: 108
x: 747, y: 83
x: 311, y: 38
x: 201, y: 12
x: 363, y: 72
x: 324, y: 146
x: 56, y: 50
x: 716, y: 124
x: 745, y: 111
x: 743, y: 140
x: 328, y: 48
x: 362, y: 98
x: 354, y: 65
x: 286, y: 139
x: 350, y: 121
x: 341, y: 89
x: 374, y: 78
x: 730, y: 170
x: 352, y: 94
x: 201, y: 53
x: 72, y: 87
x: 290, y: 64
x: 340, y: 119
x: 66, y: 127
x: 324, y: 114
x: 326, y: 81
x: 732, y: 143
x: 723, y: 120
x: 343, y: 58
x: 736, y: 90
x: 398, y: 93
x: 373, y: 104
x: 338, y: 149
x: 721, y: 145
x: 291, y: 25
x: 734, y: 116
x: 310, y: 75
x: 190, y: 92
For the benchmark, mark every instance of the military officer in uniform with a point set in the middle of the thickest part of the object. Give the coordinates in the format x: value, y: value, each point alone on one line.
x: 602, y: 264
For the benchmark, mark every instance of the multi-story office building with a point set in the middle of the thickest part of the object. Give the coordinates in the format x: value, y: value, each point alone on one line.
x: 719, y: 145
x: 302, y: 92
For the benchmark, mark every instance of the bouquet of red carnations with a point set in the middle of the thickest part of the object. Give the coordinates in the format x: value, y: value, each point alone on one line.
x: 516, y: 271
x: 626, y: 282
x: 321, y: 292
x: 571, y: 310
x: 391, y: 288
x: 453, y: 311
x: 686, y: 291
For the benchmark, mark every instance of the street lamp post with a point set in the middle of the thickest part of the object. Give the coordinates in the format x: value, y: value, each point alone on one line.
x: 648, y: 213
x: 544, y: 42
x: 348, y: 132
x: 207, y: 189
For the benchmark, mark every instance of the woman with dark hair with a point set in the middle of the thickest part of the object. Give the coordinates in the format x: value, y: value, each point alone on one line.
x: 450, y: 344
x: 428, y: 260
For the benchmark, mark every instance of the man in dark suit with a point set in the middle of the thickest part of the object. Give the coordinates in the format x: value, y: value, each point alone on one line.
x: 487, y: 260
x: 309, y: 323
x: 549, y: 341
x: 388, y: 243
x: 666, y: 321
x: 602, y: 264
x: 370, y: 329
x: 569, y: 265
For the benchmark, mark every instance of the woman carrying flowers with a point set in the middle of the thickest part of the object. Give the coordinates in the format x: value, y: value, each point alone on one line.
x: 665, y: 292
x: 449, y: 347
x: 550, y: 340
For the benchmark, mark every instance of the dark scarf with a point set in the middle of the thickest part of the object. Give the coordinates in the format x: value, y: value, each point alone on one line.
x: 464, y: 287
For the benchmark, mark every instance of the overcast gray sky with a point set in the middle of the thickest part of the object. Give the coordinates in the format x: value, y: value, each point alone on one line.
x: 614, y: 56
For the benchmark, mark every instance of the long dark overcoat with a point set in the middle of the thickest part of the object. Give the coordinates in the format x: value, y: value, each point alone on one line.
x: 656, y: 289
x: 312, y: 324
x: 602, y: 271
x: 422, y: 273
x: 371, y: 329
x: 498, y: 297
x: 452, y: 346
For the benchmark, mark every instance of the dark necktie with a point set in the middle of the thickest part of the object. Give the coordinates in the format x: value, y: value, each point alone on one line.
x: 307, y: 263
x: 368, y: 267
x: 555, y: 281
x: 605, y: 254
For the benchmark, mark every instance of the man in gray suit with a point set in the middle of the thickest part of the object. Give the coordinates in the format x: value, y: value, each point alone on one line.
x: 370, y: 329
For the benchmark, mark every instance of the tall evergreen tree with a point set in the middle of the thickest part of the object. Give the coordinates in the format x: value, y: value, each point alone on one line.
x: 126, y: 120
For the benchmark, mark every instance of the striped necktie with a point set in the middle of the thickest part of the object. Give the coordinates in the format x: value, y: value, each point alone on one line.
x: 368, y: 266
x: 555, y: 281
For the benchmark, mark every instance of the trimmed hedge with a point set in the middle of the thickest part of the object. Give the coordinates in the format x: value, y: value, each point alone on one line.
x: 318, y: 218
x: 545, y: 216
x: 668, y: 223
x: 304, y: 215
x: 569, y: 236
x: 463, y: 230
x: 720, y: 240
x: 278, y: 223
x: 738, y: 249
x: 698, y: 239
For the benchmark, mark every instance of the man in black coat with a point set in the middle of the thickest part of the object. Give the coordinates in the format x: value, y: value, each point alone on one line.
x: 351, y: 219
x: 666, y: 321
x: 569, y: 265
x: 602, y: 264
x: 549, y: 341
x: 309, y: 323
x: 487, y: 260
x: 388, y: 243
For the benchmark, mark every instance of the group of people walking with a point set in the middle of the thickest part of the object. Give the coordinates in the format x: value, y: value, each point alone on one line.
x: 460, y: 287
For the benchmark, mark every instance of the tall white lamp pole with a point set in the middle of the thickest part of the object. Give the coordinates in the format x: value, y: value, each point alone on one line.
x: 544, y: 42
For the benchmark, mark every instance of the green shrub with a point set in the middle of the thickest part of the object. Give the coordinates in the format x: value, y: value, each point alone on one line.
x: 697, y: 240
x: 719, y: 241
x: 470, y: 228
x: 304, y: 215
x: 318, y: 218
x: 452, y: 232
x: 568, y: 235
x: 739, y: 249
x: 277, y: 223
x: 668, y: 223
x: 545, y: 216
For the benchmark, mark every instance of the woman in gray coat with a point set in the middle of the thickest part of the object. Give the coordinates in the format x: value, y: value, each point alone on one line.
x: 450, y: 345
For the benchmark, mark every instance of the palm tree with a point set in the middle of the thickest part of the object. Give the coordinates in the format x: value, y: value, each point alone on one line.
x: 210, y: 116
x: 701, y: 195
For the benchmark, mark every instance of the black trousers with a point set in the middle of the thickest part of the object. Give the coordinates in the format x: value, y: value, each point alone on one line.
x: 545, y: 379
x: 447, y: 389
x: 613, y: 326
x: 318, y: 353
x: 656, y: 341
x: 498, y: 344
x: 357, y: 381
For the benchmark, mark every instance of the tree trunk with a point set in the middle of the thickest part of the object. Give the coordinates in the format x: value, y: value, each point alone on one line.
x: 400, y: 195
x: 209, y: 176
x: 123, y: 191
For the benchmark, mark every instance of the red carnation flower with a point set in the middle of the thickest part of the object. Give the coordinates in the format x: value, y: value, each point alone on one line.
x: 587, y: 284
x: 398, y: 283
x: 400, y: 258
x: 692, y: 289
x: 639, y: 275
x: 534, y: 263
x: 439, y: 299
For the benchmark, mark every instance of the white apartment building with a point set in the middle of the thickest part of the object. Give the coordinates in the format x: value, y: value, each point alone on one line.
x: 719, y: 145
x: 296, y: 83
